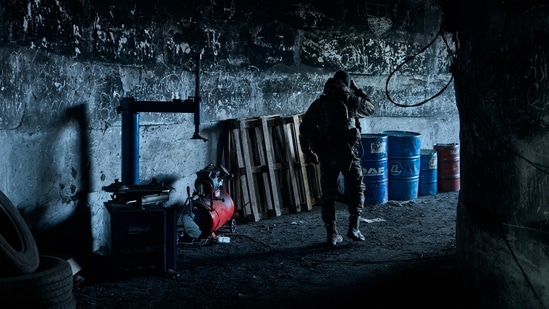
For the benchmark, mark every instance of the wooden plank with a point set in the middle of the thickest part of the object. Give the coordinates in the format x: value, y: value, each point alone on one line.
x: 293, y: 180
x: 300, y: 163
x: 240, y: 195
x: 313, y: 176
x: 258, y: 161
x: 247, y: 157
x: 285, y: 180
x: 226, y: 155
x: 266, y: 124
x: 250, y: 198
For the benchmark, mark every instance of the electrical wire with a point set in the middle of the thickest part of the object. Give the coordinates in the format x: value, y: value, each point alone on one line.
x: 297, y: 257
x: 439, y: 33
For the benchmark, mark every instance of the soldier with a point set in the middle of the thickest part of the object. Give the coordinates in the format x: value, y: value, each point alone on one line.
x: 329, y: 134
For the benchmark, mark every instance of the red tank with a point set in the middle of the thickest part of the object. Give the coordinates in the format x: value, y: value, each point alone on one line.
x: 213, y: 207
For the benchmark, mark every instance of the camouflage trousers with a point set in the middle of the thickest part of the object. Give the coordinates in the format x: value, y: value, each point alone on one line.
x: 351, y: 169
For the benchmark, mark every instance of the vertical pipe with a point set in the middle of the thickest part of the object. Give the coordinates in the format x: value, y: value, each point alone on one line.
x: 197, y: 75
x: 197, y: 93
x: 130, y: 145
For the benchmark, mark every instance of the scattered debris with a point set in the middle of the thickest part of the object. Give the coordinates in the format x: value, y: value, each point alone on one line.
x: 372, y: 220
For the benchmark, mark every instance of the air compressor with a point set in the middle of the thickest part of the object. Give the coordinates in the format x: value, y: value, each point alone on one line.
x: 209, y: 208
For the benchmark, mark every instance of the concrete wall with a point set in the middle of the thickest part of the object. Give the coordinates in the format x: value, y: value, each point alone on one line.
x: 67, y: 64
x: 502, y: 92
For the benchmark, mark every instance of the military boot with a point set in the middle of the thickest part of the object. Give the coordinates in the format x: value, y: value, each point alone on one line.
x: 353, y: 232
x: 333, y: 236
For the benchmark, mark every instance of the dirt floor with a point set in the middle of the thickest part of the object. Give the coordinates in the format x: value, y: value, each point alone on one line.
x: 283, y: 262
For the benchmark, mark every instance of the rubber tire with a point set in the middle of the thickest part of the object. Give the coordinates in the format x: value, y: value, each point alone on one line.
x: 18, y: 250
x: 49, y: 287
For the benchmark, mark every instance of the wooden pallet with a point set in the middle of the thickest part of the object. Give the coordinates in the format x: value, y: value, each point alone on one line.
x: 271, y: 177
x: 257, y: 149
x: 304, y: 199
x: 230, y: 154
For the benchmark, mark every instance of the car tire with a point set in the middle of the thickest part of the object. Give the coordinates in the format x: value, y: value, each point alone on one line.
x: 50, y: 286
x: 18, y: 250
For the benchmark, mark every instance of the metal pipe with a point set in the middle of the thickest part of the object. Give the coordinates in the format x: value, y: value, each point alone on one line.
x: 198, y: 57
x: 197, y: 99
x: 130, y: 144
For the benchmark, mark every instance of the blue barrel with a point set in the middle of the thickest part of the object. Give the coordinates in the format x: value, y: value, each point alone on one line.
x: 373, y: 150
x: 428, y: 172
x: 403, y: 149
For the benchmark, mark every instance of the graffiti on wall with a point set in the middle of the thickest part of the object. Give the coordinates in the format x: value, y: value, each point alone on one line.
x: 147, y: 50
x: 362, y: 55
x: 132, y: 32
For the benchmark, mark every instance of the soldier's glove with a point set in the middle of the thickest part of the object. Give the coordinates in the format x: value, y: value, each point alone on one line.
x: 358, y: 92
x: 311, y: 158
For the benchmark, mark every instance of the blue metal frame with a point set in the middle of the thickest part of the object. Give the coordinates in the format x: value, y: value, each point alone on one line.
x: 130, y: 109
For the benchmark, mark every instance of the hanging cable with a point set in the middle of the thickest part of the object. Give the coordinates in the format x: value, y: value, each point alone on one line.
x: 440, y: 33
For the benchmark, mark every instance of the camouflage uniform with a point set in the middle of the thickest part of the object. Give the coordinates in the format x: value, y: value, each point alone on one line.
x: 330, y: 129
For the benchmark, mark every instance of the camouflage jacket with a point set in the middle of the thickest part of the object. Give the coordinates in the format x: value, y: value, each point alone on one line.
x: 332, y: 121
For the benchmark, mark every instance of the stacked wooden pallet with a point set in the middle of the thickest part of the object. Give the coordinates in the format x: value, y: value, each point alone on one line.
x: 270, y: 174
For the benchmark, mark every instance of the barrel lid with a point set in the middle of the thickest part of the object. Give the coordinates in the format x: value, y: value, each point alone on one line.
x: 373, y: 135
x: 445, y: 146
x: 401, y: 133
x: 427, y: 152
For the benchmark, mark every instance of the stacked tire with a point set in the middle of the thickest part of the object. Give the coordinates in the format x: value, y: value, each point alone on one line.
x: 27, y: 279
